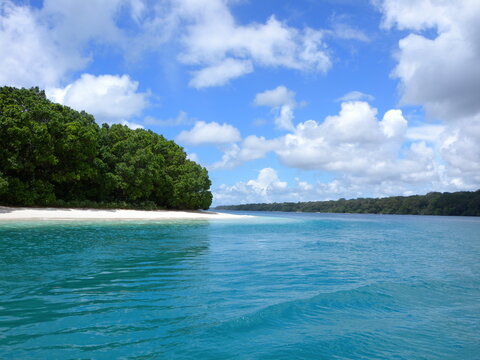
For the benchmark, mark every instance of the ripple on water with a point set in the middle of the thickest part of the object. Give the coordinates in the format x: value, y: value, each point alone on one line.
x: 301, y: 286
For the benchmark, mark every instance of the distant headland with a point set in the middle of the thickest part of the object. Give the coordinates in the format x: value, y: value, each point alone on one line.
x: 462, y: 203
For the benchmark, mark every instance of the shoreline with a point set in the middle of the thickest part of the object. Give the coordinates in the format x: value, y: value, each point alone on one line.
x: 26, y: 213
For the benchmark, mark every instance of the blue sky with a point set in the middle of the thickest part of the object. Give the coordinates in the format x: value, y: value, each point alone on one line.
x: 280, y: 100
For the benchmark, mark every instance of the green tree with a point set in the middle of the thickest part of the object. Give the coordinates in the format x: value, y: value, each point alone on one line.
x: 52, y: 154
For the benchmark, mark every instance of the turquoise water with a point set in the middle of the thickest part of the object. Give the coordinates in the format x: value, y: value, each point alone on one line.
x: 286, y: 286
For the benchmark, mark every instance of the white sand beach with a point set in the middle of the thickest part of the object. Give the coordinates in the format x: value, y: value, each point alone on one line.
x: 17, y: 213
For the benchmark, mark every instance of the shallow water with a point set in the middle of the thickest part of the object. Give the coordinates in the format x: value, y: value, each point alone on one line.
x: 285, y: 286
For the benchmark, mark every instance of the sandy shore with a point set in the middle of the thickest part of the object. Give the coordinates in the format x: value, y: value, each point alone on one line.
x: 12, y: 213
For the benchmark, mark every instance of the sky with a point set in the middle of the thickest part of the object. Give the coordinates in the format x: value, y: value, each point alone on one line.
x: 292, y: 100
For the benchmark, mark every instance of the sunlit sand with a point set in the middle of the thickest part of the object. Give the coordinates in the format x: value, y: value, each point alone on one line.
x: 16, y: 213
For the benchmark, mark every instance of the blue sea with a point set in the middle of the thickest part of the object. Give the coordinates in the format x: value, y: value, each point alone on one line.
x: 277, y: 286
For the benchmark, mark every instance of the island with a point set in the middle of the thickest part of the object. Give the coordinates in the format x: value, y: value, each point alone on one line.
x: 54, y: 156
x: 461, y: 203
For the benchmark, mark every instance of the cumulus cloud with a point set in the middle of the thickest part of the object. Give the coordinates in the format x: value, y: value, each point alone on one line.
x: 267, y: 181
x: 110, y: 98
x: 356, y: 96
x: 264, y: 188
x: 282, y: 101
x: 275, y: 97
x: 368, y: 155
x: 460, y: 148
x: 284, y: 119
x: 268, y: 187
x: 48, y: 43
x: 251, y: 148
x: 209, y: 133
x: 225, y: 50
x: 30, y: 55
x: 430, y: 133
x: 393, y: 124
x: 73, y: 23
x: 131, y: 125
x: 440, y: 72
x: 220, y: 73
x: 354, y: 143
x: 42, y: 46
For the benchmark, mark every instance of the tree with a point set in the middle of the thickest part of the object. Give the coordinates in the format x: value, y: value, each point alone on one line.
x: 52, y: 154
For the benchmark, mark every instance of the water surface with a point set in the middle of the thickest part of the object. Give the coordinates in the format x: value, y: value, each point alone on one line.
x: 285, y: 286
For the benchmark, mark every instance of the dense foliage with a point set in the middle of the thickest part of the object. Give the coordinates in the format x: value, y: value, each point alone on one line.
x: 434, y: 203
x: 51, y: 155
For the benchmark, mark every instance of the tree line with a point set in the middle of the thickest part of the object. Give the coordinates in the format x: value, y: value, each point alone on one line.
x: 463, y: 203
x: 52, y: 155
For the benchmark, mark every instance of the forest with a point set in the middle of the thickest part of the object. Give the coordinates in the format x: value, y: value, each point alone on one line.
x: 464, y: 203
x: 52, y: 155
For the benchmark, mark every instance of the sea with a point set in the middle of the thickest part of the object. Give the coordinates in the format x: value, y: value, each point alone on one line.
x: 274, y: 286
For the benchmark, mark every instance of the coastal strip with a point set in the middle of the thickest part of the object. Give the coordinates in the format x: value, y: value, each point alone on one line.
x: 17, y: 213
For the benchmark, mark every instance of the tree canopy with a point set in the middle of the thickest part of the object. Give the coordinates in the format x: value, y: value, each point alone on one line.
x: 435, y: 203
x: 52, y: 155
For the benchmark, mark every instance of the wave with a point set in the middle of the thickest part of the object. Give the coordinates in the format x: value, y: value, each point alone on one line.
x: 366, y: 320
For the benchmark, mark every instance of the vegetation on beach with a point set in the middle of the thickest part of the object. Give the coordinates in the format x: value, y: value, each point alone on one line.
x: 52, y: 155
x: 464, y: 203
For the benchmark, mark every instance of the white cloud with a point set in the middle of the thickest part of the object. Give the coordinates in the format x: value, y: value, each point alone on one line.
x: 73, y: 23
x: 110, y: 98
x: 193, y: 157
x: 418, y: 14
x: 209, y: 133
x: 356, y: 96
x: 393, y: 124
x: 244, y: 192
x: 275, y: 97
x: 282, y: 101
x: 303, y: 185
x: 251, y: 148
x: 441, y: 72
x: 265, y: 188
x: 460, y: 148
x: 354, y: 142
x: 225, y: 50
x: 267, y: 181
x: 30, y: 55
x: 138, y: 9
x: 284, y: 119
x: 369, y: 156
x: 429, y: 133
x: 345, y: 31
x: 268, y: 187
x: 220, y: 73
x: 132, y: 125
x: 42, y: 46
x: 356, y: 123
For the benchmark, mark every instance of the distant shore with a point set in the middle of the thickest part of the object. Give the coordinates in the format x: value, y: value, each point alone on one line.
x: 19, y: 213
x: 460, y: 203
